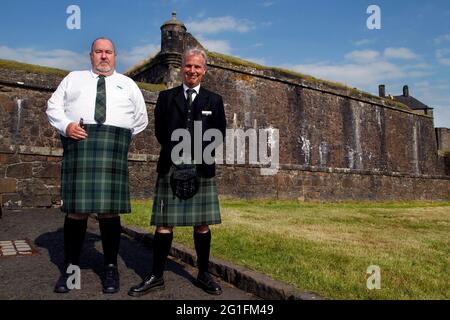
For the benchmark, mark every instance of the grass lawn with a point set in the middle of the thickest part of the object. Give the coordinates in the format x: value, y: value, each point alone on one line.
x: 327, y: 248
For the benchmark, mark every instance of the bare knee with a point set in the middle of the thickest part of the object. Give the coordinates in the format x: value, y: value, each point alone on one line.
x: 164, y: 229
x: 201, y: 229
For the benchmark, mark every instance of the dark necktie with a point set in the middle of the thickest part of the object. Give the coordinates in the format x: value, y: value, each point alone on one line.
x: 100, y: 101
x: 189, y: 123
x: 190, y: 117
x: 190, y: 92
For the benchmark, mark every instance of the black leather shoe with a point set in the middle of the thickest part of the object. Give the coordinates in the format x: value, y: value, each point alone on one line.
x: 111, y: 282
x: 61, y: 284
x: 149, y: 284
x: 207, y: 283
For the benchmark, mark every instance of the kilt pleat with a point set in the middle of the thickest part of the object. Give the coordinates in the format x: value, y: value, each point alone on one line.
x: 170, y: 211
x: 94, y: 171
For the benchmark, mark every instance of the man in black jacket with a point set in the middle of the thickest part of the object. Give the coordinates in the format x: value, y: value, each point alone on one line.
x: 178, y: 108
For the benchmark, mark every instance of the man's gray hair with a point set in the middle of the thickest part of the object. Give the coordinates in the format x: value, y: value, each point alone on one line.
x: 196, y: 52
x: 103, y: 38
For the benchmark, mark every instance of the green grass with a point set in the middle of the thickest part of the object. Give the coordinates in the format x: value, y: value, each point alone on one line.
x: 327, y: 248
x: 151, y: 86
x: 10, y: 64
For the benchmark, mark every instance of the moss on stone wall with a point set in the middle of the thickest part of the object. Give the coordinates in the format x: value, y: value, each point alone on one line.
x: 151, y: 87
x: 10, y: 64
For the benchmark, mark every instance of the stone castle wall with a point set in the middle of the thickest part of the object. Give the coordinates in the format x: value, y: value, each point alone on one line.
x: 333, y: 146
x: 443, y: 138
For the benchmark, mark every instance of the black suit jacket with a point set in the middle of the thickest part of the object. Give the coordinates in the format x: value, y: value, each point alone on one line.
x: 170, y: 114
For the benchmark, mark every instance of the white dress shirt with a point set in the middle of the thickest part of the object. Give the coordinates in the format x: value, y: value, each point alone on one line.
x: 75, y: 99
x: 196, y: 89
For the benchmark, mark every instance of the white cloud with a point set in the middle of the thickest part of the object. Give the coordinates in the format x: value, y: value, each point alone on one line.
x: 129, y: 58
x: 400, y: 53
x: 362, y: 55
x: 220, y: 24
x: 442, y: 39
x: 366, y: 69
x: 268, y: 3
x: 222, y: 46
x: 364, y: 76
x: 443, y: 56
x: 57, y: 58
x: 260, y: 61
x: 363, y: 42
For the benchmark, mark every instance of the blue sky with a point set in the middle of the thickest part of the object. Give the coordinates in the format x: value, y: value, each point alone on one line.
x: 328, y: 39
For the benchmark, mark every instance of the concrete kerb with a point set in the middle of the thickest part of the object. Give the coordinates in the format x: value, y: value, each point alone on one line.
x: 250, y: 281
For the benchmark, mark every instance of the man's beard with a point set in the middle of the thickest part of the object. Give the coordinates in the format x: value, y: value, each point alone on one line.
x: 103, y: 69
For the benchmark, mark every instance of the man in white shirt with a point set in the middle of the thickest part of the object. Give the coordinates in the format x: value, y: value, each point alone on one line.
x: 96, y: 112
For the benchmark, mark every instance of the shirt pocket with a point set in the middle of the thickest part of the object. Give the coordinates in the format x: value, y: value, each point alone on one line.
x: 119, y: 97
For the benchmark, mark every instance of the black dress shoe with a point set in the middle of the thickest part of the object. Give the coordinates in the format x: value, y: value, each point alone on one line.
x: 207, y: 283
x: 111, y: 282
x: 149, y: 284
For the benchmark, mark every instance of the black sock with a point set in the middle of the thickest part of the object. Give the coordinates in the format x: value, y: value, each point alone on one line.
x: 110, y: 230
x: 74, y: 232
x: 161, y: 247
x: 202, y: 243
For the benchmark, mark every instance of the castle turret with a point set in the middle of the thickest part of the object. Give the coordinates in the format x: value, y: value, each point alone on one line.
x: 172, y: 36
x: 165, y: 67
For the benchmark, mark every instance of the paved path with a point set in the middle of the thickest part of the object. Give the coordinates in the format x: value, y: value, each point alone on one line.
x: 33, y: 277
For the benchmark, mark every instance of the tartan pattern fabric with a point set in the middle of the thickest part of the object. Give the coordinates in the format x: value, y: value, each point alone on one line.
x: 100, y: 101
x: 94, y: 171
x: 169, y: 211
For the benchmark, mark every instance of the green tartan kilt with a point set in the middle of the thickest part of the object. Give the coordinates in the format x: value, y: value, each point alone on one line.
x: 170, y: 211
x: 94, y: 171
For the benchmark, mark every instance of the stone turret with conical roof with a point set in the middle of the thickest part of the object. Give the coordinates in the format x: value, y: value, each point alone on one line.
x: 173, y: 32
x: 165, y: 67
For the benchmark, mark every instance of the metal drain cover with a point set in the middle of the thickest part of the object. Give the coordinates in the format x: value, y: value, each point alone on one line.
x: 16, y: 248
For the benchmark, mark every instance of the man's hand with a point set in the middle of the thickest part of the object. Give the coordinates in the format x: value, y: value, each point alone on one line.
x: 75, y: 132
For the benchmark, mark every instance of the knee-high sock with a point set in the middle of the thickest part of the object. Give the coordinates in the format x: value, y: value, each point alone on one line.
x: 161, y: 247
x: 74, y: 232
x: 202, y: 243
x: 110, y: 230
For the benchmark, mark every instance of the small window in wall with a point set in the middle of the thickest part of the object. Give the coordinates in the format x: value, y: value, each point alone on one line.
x: 170, y: 34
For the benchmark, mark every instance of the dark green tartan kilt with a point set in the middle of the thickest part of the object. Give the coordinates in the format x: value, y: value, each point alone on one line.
x: 94, y: 172
x: 170, y: 211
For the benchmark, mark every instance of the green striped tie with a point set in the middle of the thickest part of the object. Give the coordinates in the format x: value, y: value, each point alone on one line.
x: 100, y: 101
